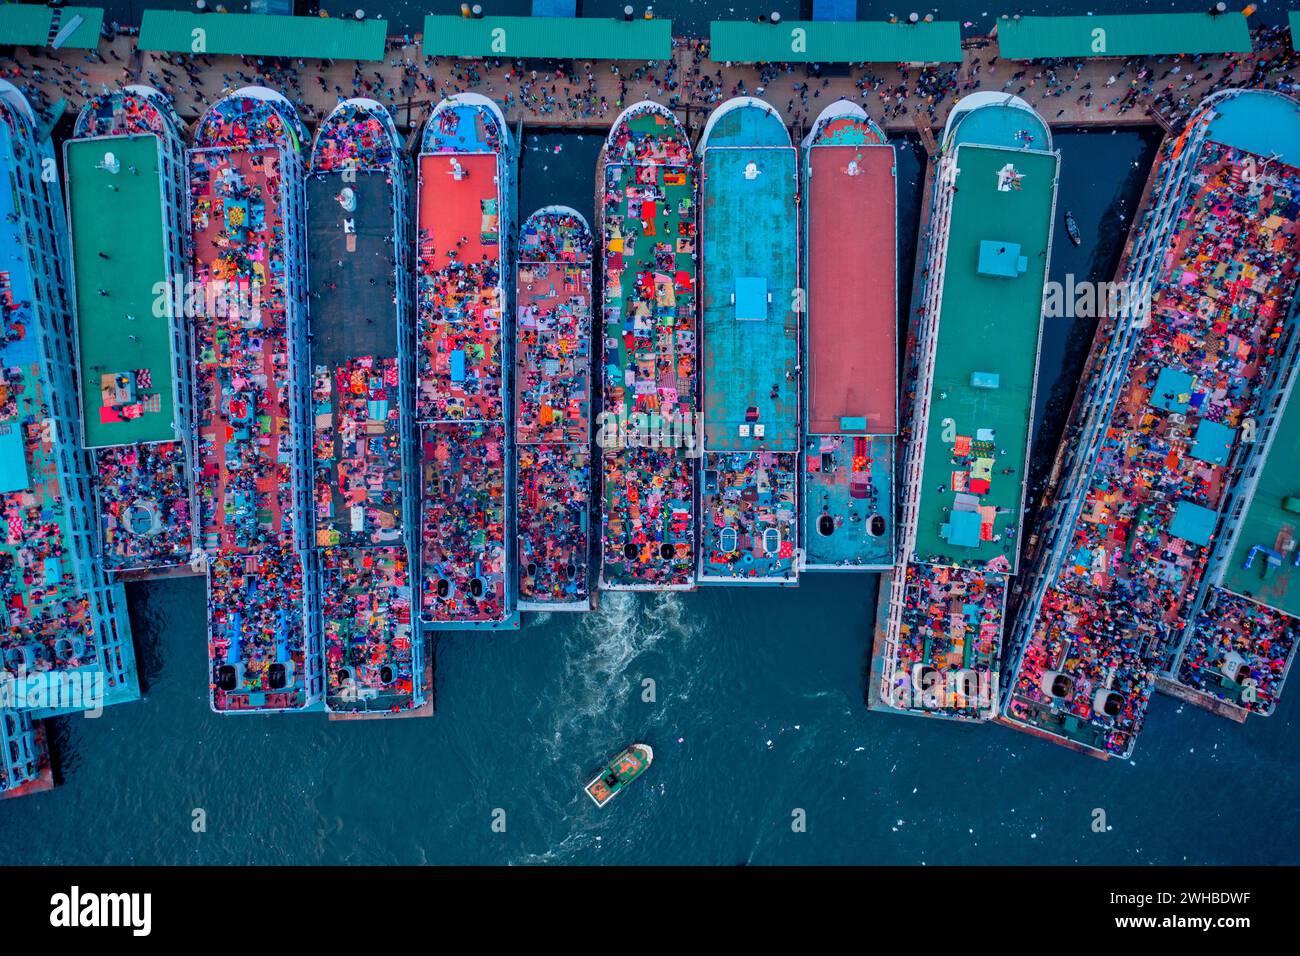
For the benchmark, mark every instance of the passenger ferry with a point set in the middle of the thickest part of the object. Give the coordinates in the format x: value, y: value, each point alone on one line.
x: 553, y: 410
x: 248, y: 216
x: 648, y: 422
x: 1169, y: 539
x: 463, y: 362
x: 850, y: 364
x: 125, y: 196
x: 362, y: 361
x: 749, y: 227
x: 60, y: 614
x: 973, y: 372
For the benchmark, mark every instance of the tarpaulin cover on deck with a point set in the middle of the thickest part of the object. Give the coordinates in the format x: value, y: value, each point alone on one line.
x: 562, y: 38
x: 13, y: 460
x: 1192, y: 522
x: 1145, y: 34
x: 246, y: 33
x: 824, y: 41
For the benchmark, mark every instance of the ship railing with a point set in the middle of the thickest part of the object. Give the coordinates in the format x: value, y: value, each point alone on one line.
x: 925, y: 345
x: 38, y: 205
x: 1246, y: 465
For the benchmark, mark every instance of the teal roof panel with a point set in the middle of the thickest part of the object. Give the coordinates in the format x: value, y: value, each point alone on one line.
x: 563, y: 38
x: 823, y: 41
x: 1144, y: 34
x: 253, y: 34
x: 23, y: 24
x: 86, y: 34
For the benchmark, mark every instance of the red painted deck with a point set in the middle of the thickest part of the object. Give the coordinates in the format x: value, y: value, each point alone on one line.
x: 458, y: 308
x: 852, y: 269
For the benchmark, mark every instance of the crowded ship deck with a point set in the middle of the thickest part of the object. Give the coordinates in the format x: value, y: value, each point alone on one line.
x: 648, y: 421
x: 247, y: 221
x: 972, y: 378
x: 749, y: 347
x: 361, y: 359
x: 125, y: 208
x: 64, y: 623
x: 851, y: 355
x: 1185, y: 378
x: 466, y: 182
x: 553, y: 329
x: 1242, y: 642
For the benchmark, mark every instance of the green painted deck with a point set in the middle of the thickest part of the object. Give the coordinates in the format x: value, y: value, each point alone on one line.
x: 987, y: 325
x: 121, y: 215
x: 750, y: 265
x: 1266, y: 524
x: 1145, y: 34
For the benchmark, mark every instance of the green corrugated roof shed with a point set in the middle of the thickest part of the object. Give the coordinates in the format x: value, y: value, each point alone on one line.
x: 1145, y: 34
x: 826, y: 41
x: 86, y: 36
x: 258, y: 34
x: 23, y: 24
x: 561, y: 38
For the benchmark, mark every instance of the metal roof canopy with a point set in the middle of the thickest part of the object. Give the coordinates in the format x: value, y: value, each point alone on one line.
x: 1146, y: 34
x: 563, y: 38
x: 22, y: 24
x: 254, y: 34
x: 827, y: 41
x: 25, y: 24
x: 86, y: 35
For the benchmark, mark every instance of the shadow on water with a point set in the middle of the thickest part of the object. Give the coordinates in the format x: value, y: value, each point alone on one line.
x: 1101, y: 180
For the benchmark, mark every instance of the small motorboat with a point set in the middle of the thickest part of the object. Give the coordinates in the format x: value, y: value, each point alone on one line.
x: 621, y: 771
x: 1072, y: 228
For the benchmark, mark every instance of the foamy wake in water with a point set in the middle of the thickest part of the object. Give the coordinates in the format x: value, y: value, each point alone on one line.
x: 603, y: 670
x: 599, y: 652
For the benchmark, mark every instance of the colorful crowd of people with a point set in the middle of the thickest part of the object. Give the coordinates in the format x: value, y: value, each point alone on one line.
x: 360, y: 496
x: 463, y: 522
x: 246, y: 437
x: 144, y: 505
x: 951, y: 621
x: 748, y: 515
x: 460, y: 378
x: 650, y: 347
x: 1239, y: 651
x: 553, y: 407
x: 1138, y: 550
x: 368, y: 633
x: 46, y: 616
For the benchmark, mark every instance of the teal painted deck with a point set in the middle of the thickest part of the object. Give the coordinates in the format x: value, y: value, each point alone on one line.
x: 1007, y: 126
x: 749, y: 348
x: 1260, y: 123
x: 750, y: 230
x: 848, y: 493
